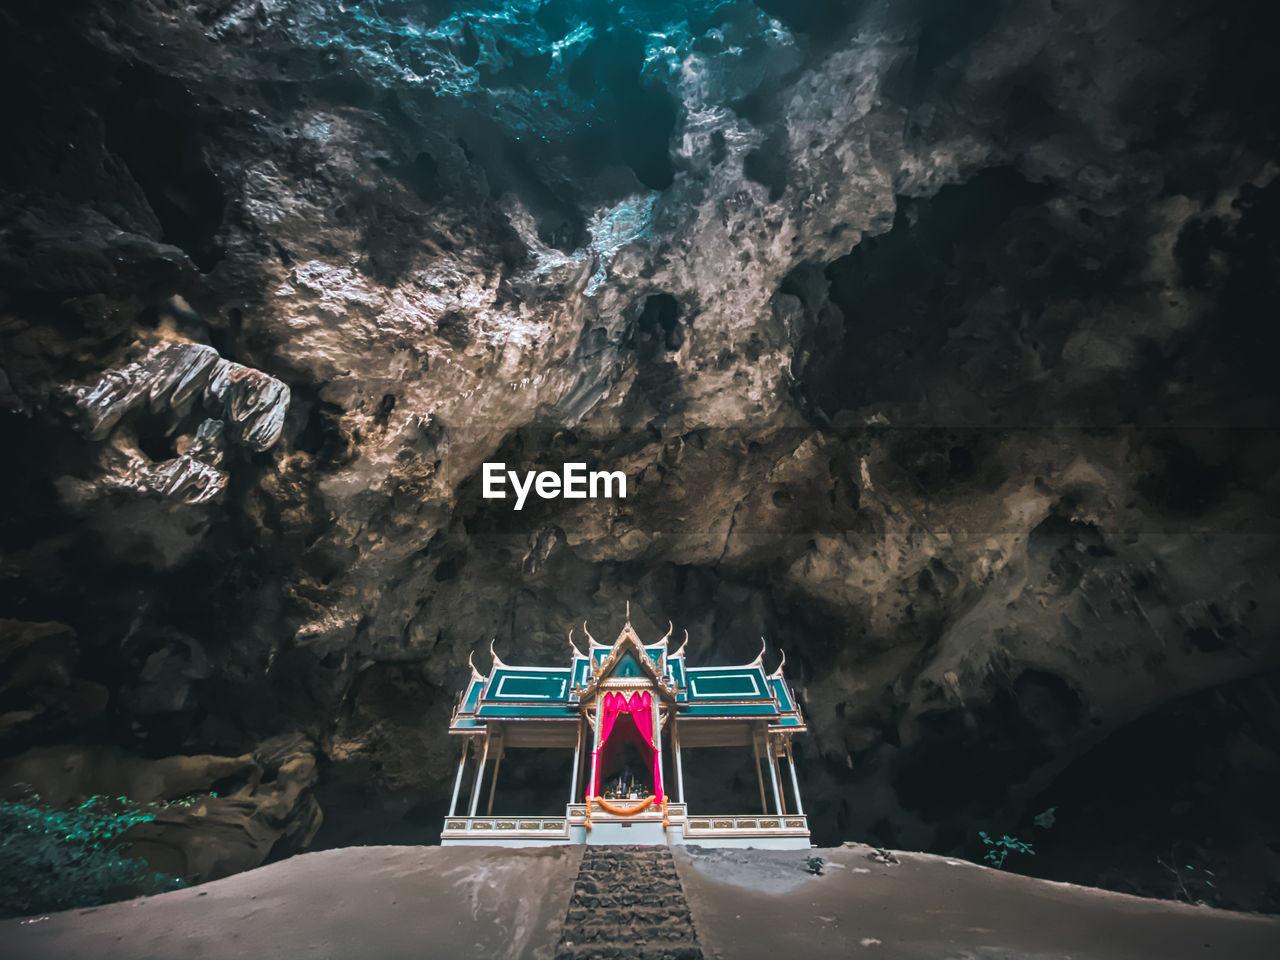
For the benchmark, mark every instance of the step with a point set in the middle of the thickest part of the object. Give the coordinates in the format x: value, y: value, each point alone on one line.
x: 628, y: 904
x: 632, y: 951
x: 666, y: 913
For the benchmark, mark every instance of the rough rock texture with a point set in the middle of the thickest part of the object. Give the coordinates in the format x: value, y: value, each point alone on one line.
x: 244, y: 808
x: 934, y: 338
x: 38, y: 685
x: 758, y: 904
x: 628, y: 902
x: 399, y: 903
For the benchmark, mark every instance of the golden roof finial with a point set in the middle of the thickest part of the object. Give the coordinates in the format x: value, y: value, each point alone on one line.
x: 588, y: 633
x: 574, y: 646
x: 759, y: 660
x: 628, y: 611
x: 497, y: 661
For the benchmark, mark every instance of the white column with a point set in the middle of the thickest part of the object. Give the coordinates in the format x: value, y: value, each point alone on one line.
x: 795, y: 784
x: 475, y: 789
x: 782, y: 789
x: 675, y: 747
x: 493, y: 779
x: 577, y: 761
x: 755, y: 752
x: 773, y: 776
x: 457, y: 781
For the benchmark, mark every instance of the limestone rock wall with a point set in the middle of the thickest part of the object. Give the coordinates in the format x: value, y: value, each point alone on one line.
x: 934, y: 339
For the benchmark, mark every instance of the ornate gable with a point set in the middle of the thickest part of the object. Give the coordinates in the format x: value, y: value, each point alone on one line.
x: 629, y: 659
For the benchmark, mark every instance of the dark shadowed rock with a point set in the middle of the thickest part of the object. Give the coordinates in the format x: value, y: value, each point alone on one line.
x: 243, y: 808
x: 933, y: 338
x: 43, y: 691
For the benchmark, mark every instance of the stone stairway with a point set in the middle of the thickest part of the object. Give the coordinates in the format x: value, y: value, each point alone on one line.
x: 628, y: 904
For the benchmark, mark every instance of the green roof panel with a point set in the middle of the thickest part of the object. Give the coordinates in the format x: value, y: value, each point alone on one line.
x: 780, y: 691
x: 675, y: 670
x: 731, y: 683
x: 507, y: 685
x: 711, y: 709
x: 473, y: 694
x: 513, y: 711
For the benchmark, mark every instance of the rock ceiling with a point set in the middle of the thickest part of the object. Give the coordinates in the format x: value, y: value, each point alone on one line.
x: 935, y: 342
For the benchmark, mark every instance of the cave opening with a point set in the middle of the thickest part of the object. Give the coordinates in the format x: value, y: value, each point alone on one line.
x: 155, y: 438
x: 658, y: 326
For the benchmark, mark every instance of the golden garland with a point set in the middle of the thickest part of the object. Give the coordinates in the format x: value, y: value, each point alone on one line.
x: 626, y: 811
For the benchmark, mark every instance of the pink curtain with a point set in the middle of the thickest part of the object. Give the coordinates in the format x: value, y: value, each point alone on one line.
x: 640, y: 707
x: 609, y: 715
x: 642, y: 715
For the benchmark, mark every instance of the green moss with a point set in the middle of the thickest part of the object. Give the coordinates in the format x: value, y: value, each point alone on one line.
x: 53, y: 859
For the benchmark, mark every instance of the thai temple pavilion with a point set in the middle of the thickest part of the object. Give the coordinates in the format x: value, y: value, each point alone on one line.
x: 628, y: 712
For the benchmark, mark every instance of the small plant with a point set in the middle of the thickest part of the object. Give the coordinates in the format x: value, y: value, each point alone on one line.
x: 1190, y: 885
x: 814, y: 865
x: 1000, y: 849
x: 53, y: 859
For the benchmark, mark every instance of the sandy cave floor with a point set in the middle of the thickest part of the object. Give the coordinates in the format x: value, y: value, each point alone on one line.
x: 379, y: 903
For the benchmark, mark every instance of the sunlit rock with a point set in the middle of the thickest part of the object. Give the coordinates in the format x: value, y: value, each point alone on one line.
x: 932, y: 338
x: 173, y: 375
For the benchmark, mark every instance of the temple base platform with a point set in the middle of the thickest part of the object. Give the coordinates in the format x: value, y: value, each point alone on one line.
x: 761, y: 831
